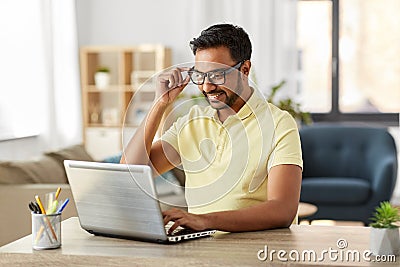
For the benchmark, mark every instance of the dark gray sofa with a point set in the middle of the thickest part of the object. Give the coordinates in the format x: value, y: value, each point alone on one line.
x: 348, y: 170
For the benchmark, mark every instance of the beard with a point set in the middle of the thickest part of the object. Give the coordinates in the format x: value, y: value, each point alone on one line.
x: 229, y: 100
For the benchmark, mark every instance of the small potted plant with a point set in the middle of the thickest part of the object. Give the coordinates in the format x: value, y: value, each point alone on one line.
x: 102, y: 77
x: 384, y: 235
x: 289, y: 105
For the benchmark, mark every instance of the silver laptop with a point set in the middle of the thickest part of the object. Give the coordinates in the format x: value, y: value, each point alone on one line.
x: 120, y: 200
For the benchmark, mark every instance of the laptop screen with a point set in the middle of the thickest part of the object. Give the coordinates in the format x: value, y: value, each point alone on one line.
x: 116, y: 199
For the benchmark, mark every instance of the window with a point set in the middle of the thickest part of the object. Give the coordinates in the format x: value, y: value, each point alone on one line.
x: 22, y: 67
x: 349, y: 59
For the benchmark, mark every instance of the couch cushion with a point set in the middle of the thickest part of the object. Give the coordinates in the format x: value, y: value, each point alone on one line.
x: 335, y: 190
x: 43, y: 170
x: 76, y: 152
x: 11, y: 174
x: 113, y: 159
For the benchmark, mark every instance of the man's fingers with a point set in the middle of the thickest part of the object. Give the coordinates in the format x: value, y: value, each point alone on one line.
x: 167, y: 219
x: 178, y: 77
x: 179, y: 80
x: 172, y: 228
x: 182, y: 84
x: 183, y: 68
x: 172, y: 81
x: 186, y: 80
x: 180, y: 222
x: 170, y: 215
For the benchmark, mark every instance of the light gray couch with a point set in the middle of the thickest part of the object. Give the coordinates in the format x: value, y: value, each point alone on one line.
x: 21, y: 181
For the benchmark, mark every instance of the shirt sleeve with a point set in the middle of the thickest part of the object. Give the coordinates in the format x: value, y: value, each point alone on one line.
x: 286, y: 146
x: 171, y: 135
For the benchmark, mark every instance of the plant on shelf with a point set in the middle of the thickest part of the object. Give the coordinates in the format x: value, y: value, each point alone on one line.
x: 102, y: 77
x: 384, y: 235
x: 289, y: 105
x: 103, y: 69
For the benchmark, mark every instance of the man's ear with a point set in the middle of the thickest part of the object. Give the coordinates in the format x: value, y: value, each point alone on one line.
x: 246, y: 66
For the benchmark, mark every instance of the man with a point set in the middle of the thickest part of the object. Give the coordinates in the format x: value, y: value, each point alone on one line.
x: 241, y: 155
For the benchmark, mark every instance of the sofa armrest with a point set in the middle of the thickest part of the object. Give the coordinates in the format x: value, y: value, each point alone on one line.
x: 16, y: 217
x: 384, y: 175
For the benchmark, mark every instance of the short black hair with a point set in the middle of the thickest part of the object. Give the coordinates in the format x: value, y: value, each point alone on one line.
x: 228, y: 35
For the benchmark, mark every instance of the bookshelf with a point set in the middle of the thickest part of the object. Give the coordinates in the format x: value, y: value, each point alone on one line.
x: 112, y: 111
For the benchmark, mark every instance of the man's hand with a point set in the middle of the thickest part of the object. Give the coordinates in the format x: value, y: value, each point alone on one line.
x: 184, y: 219
x: 170, y: 84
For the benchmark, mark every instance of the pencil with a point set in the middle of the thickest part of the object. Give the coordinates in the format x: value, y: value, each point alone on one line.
x: 60, y: 209
x: 45, y: 218
x: 58, y: 192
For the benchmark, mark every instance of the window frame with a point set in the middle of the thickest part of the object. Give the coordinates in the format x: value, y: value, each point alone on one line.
x: 335, y: 115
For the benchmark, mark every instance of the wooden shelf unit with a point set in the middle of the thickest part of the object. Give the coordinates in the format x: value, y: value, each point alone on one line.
x: 109, y: 117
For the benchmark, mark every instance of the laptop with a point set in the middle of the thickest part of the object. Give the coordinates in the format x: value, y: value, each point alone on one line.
x: 120, y: 200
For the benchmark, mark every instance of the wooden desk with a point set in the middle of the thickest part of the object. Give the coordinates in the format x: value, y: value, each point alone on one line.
x: 234, y: 249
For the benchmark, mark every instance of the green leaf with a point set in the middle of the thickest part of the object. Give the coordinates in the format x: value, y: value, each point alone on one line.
x: 289, y: 105
x: 103, y: 69
x: 385, y: 216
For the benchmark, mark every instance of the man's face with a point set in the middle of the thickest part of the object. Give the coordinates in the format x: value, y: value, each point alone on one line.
x: 222, y: 96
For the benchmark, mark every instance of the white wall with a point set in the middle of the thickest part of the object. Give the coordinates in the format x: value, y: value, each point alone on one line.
x: 270, y: 25
x: 125, y: 22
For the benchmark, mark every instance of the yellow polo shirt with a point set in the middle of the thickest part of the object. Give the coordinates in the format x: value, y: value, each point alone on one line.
x: 227, y: 164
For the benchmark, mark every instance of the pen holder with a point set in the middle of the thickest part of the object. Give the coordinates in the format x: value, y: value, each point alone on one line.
x: 46, y: 231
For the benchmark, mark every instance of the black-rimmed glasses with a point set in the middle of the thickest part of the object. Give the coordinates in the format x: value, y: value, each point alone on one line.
x: 217, y: 77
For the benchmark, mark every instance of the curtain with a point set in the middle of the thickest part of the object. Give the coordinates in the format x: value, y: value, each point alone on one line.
x: 39, y: 81
x: 20, y: 69
x: 63, y: 125
x: 271, y: 26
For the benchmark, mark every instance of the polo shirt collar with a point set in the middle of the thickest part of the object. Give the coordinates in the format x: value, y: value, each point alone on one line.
x: 249, y: 107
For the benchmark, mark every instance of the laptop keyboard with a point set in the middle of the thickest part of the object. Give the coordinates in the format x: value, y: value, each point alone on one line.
x: 181, y: 233
x: 178, y: 231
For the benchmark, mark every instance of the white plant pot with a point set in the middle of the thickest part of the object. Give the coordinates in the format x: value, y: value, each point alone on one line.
x: 102, y: 80
x: 385, y: 241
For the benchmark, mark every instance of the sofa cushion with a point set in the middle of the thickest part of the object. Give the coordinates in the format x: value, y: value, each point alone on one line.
x: 335, y: 190
x: 43, y: 170
x: 113, y: 159
x: 11, y: 174
x: 75, y: 152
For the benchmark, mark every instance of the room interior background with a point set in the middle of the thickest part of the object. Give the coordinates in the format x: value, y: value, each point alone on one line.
x: 50, y: 106
x: 43, y: 39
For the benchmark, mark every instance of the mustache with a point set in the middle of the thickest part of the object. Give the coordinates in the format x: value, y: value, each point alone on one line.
x: 213, y: 92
